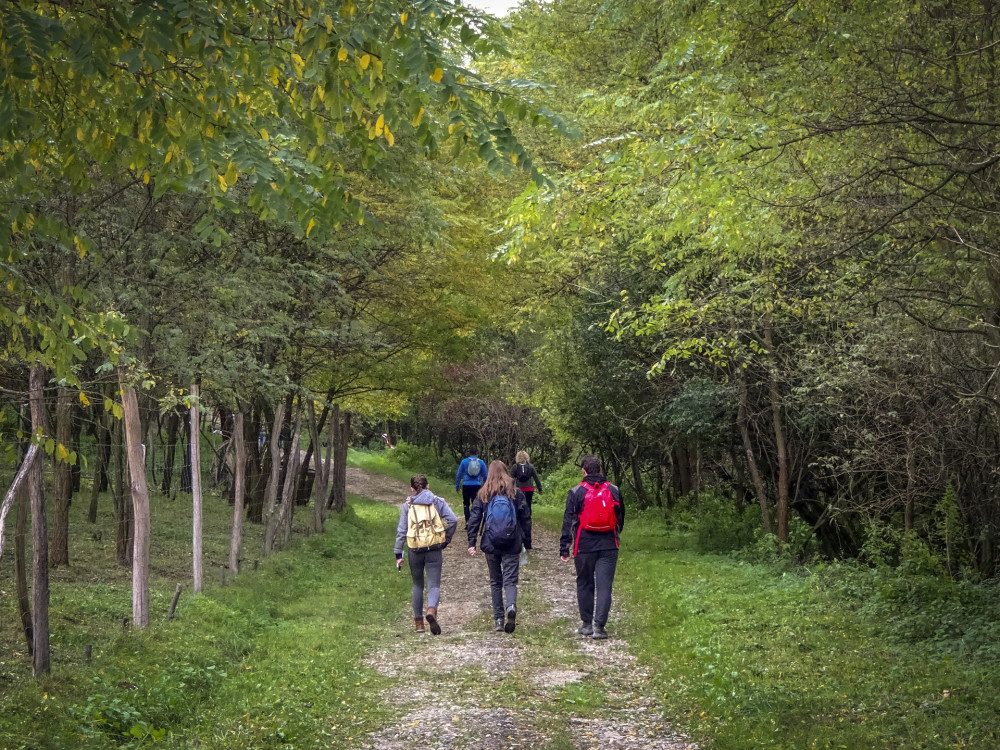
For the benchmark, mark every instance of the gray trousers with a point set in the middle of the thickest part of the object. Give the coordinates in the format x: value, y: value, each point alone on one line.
x: 595, y: 572
x: 504, y: 570
x: 431, y: 563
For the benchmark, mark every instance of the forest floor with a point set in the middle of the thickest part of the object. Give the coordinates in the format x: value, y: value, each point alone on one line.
x: 541, y: 686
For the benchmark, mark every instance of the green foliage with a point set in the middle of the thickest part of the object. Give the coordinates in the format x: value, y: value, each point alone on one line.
x: 422, y: 459
x: 715, y: 522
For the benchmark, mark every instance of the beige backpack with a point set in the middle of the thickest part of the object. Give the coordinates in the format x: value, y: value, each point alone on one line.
x: 424, y: 528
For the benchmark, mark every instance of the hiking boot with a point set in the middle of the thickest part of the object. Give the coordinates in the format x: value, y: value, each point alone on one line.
x: 511, y: 616
x: 419, y: 623
x: 432, y: 620
x: 599, y: 634
x: 499, y: 625
x: 585, y: 629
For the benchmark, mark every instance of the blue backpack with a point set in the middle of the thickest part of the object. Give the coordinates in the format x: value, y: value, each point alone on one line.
x: 500, y: 524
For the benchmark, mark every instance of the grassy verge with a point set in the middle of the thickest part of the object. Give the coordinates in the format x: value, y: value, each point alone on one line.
x: 269, y: 661
x: 750, y: 658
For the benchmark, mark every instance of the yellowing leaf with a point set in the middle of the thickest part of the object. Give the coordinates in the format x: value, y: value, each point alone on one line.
x: 79, y: 134
x: 273, y: 75
x: 222, y: 183
x: 61, y: 451
x: 389, y: 138
x: 416, y: 120
x: 264, y: 135
x: 437, y: 75
x: 365, y: 61
x: 342, y: 54
x: 232, y: 174
x: 379, y: 125
x: 81, y: 249
x: 309, y: 227
x: 83, y: 399
x: 403, y: 17
x: 145, y: 177
x: 329, y: 24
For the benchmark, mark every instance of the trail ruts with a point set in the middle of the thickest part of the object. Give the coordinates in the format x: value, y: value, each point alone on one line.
x: 542, y: 686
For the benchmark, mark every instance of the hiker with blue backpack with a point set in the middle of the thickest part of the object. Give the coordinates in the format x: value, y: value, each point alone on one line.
x: 469, y: 479
x: 502, y: 514
x: 592, y: 521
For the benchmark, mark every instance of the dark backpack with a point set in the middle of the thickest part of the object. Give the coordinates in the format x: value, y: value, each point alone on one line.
x: 522, y: 472
x: 500, y: 524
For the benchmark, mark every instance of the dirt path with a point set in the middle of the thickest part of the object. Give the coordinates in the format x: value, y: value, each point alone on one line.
x: 541, y: 686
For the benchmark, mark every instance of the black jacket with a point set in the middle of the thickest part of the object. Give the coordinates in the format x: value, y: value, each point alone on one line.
x: 477, y: 515
x: 590, y: 541
x: 524, y: 477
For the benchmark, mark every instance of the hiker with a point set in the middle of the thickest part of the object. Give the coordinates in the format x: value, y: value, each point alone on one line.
x: 427, y: 524
x: 471, y: 474
x: 593, y: 519
x: 503, y: 513
x: 526, y: 477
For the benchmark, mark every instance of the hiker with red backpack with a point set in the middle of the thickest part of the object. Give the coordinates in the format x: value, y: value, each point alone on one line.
x: 426, y: 524
x: 503, y: 515
x: 593, y: 519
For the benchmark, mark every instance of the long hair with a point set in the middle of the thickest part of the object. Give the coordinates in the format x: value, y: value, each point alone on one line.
x: 498, y: 482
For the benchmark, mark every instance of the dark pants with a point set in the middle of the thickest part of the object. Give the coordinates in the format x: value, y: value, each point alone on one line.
x: 503, y: 580
x: 431, y: 563
x: 468, y: 495
x: 595, y: 572
x: 527, y: 496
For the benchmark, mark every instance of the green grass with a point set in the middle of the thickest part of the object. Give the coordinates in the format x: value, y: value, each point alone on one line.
x: 751, y: 658
x: 269, y: 661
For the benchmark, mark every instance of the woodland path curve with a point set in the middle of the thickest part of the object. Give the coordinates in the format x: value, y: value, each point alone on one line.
x: 541, y: 686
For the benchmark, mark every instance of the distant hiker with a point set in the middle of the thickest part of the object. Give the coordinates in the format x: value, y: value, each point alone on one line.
x: 593, y: 519
x: 470, y: 477
x: 503, y: 513
x: 526, y: 477
x: 427, y: 524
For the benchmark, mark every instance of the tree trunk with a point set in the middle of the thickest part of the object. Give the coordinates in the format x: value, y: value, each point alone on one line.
x: 185, y: 483
x: 239, y: 481
x: 637, y: 485
x: 758, y: 483
x: 779, y: 438
x: 338, y: 494
x: 195, y: 443
x: 21, y: 566
x: 271, y: 494
x: 62, y: 480
x: 173, y: 424
x: 683, y: 471
x: 911, y: 481
x: 140, y: 504
x: 100, y: 465
x: 279, y: 526
x: 319, y: 479
x: 124, y: 526
x: 41, y: 660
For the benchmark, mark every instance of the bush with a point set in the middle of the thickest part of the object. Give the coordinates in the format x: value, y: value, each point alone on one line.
x: 715, y: 522
x: 557, y: 484
x: 421, y: 459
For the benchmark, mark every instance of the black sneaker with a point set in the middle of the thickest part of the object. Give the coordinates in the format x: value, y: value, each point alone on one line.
x: 599, y: 634
x: 499, y: 625
x: 585, y: 629
x: 511, y: 616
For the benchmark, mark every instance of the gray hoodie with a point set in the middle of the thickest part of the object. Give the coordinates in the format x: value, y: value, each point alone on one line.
x: 425, y: 497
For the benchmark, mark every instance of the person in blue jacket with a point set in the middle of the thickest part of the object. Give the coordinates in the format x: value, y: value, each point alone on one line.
x: 470, y: 477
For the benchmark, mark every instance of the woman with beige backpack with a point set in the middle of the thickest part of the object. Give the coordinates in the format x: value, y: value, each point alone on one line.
x: 427, y: 524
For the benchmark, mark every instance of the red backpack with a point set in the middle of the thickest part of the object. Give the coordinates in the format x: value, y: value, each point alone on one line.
x: 598, y: 512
